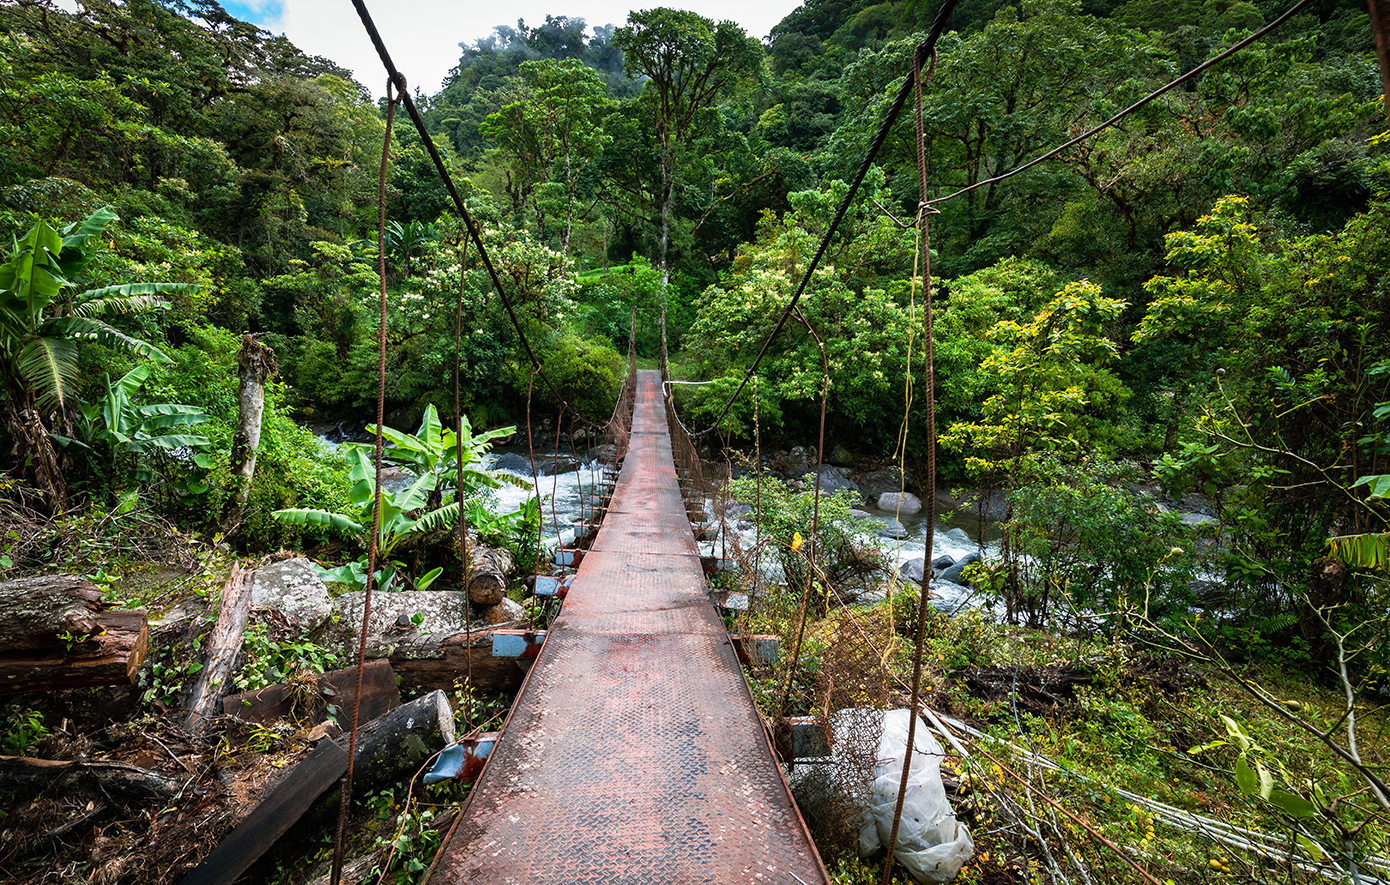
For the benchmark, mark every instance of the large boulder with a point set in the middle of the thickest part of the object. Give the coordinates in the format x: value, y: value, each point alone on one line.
x: 952, y: 575
x: 841, y: 456
x: 394, y: 616
x: 889, y: 479
x: 294, y: 588
x: 904, y: 503
x: 512, y: 463
x: 892, y: 528
x: 800, y: 461
x: 912, y: 570
x: 943, y: 562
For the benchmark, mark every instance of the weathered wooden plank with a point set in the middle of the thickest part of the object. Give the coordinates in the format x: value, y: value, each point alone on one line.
x: 222, y: 647
x: 285, y: 804
x: 380, y: 695
x: 25, y: 776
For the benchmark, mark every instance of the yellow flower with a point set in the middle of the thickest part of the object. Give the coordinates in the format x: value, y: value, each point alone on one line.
x: 796, y: 541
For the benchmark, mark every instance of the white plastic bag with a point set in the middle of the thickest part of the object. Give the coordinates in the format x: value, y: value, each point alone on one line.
x: 932, y: 844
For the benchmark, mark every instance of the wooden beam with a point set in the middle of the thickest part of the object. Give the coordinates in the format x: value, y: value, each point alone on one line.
x: 268, y: 821
x: 222, y: 647
x: 380, y: 695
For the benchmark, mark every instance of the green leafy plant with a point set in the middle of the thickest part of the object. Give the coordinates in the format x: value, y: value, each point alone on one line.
x: 23, y: 728
x: 114, y: 429
x: 45, y: 316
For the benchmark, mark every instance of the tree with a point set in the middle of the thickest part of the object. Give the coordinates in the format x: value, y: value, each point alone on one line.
x: 690, y: 62
x: 45, y: 316
x: 552, y: 133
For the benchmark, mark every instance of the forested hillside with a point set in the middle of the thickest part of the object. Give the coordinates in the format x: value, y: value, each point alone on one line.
x: 1191, y: 307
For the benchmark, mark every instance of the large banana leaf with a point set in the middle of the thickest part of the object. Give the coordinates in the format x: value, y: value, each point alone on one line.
x: 171, y: 441
x: 73, y: 254
x: 301, y: 516
x: 130, y: 298
x: 92, y: 329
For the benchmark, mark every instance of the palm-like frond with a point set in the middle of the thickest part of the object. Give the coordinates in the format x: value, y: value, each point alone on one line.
x: 92, y: 329
x: 48, y: 366
x: 445, y: 517
x: 1370, y: 550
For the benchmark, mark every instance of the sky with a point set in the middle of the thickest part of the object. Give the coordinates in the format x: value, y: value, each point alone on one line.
x: 423, y: 36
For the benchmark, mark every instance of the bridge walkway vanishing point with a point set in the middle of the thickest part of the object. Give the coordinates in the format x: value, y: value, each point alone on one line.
x: 634, y: 753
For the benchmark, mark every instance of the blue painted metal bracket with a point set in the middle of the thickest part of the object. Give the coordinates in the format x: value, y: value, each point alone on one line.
x: 463, y: 760
x: 520, y: 644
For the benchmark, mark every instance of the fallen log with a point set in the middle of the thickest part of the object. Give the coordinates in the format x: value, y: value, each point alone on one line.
x: 487, y: 574
x: 28, y: 777
x: 391, y: 747
x: 56, y: 632
x: 221, y: 650
x: 439, y: 661
x: 337, y: 688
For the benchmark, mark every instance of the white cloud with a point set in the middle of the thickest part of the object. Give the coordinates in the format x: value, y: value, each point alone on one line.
x: 423, y: 36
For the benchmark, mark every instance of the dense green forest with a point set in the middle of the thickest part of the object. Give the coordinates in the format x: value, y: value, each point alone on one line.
x: 1194, y: 302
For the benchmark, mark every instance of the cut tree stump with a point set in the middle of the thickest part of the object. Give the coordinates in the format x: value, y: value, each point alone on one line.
x: 25, y: 776
x: 221, y: 650
x: 55, y: 632
x: 487, y: 571
x: 380, y: 695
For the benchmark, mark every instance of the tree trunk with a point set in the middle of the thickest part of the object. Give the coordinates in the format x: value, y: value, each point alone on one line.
x: 1380, y: 24
x: 27, y: 777
x: 223, y: 646
x: 487, y: 574
x: 33, y: 448
x: 55, y: 632
x: 256, y: 363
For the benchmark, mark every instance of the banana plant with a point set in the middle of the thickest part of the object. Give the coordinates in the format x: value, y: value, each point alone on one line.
x: 433, y: 449
x: 397, y: 523
x: 114, y: 426
x: 45, y: 317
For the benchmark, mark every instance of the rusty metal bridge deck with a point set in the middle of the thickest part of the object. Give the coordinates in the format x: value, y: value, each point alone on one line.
x: 634, y: 753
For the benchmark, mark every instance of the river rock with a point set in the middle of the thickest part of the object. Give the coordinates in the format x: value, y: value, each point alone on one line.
x: 942, y: 562
x: 889, y: 479
x: 904, y: 503
x: 840, y: 456
x: 834, y: 479
x: 562, y: 464
x: 512, y: 463
x: 294, y: 588
x: 911, y: 570
x: 797, y: 463
x: 892, y: 528
x: 952, y: 574
x: 440, y: 611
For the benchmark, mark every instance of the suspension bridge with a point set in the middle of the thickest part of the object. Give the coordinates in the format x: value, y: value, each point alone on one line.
x: 634, y: 752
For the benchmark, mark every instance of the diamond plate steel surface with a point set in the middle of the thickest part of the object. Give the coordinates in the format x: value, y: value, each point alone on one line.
x: 634, y: 753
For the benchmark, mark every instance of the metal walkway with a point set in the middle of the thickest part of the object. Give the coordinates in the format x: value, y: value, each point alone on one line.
x: 634, y: 753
